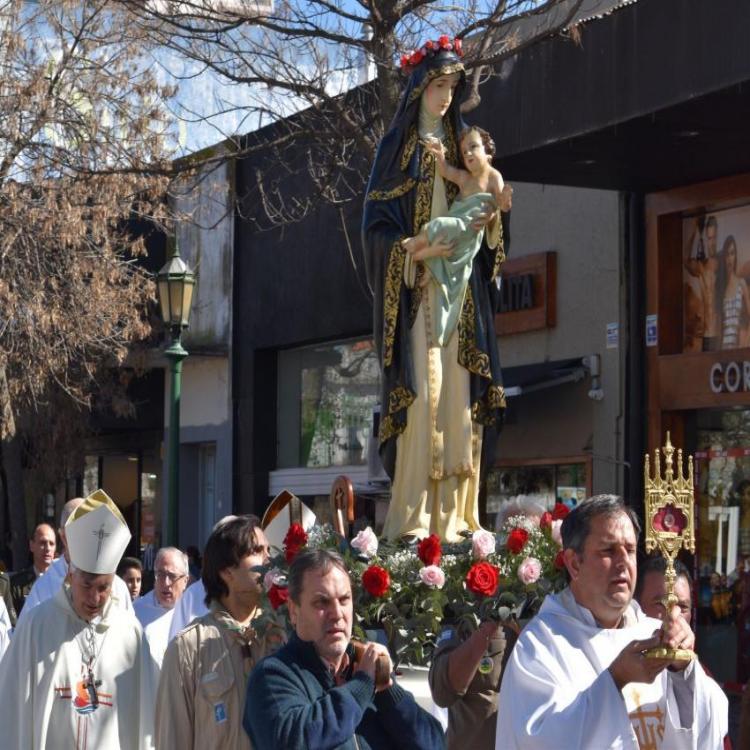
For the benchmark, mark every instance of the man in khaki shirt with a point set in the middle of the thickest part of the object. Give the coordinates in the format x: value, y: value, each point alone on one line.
x: 468, y: 692
x: 201, y: 695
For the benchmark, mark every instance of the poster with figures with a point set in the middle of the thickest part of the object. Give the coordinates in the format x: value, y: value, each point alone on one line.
x: 716, y: 272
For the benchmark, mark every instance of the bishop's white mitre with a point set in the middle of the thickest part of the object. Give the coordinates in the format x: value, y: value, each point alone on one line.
x: 97, y: 535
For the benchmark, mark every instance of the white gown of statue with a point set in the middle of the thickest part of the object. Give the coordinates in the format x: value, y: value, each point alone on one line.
x: 46, y: 705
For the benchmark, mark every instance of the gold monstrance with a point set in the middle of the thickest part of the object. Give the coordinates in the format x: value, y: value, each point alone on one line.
x: 670, y: 525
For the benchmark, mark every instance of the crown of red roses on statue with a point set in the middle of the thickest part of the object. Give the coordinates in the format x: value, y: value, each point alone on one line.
x: 430, y: 49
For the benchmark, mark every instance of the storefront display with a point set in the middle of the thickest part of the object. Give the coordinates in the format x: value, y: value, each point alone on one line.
x: 534, y: 488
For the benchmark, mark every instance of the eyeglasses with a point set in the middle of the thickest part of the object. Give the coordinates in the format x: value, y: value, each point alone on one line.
x: 170, y: 578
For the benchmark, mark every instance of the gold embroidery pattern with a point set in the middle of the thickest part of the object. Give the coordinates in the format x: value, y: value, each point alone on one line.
x: 397, y: 192
x: 398, y: 399
x: 499, y: 253
x: 391, y: 295
x: 423, y: 201
x: 410, y: 145
x: 469, y: 356
x: 446, y: 70
x: 483, y: 410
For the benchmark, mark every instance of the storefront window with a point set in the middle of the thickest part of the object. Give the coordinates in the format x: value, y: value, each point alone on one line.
x: 722, y: 494
x: 327, y: 394
x: 533, y: 489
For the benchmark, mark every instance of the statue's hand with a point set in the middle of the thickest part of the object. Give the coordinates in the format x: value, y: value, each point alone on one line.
x: 440, y: 248
x: 506, y: 198
x: 483, y: 219
x: 435, y: 146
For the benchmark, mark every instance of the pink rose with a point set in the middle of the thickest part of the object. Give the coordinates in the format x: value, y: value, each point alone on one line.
x: 366, y: 542
x: 529, y: 570
x: 555, y: 532
x: 482, y: 544
x: 273, y: 577
x: 432, y: 576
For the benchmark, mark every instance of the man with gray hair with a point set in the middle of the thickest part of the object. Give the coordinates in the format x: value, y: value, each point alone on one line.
x: 46, y: 586
x: 579, y: 675
x: 317, y: 691
x: 155, y: 609
x: 193, y: 603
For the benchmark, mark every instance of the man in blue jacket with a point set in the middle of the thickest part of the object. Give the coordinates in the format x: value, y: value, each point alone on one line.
x: 312, y: 694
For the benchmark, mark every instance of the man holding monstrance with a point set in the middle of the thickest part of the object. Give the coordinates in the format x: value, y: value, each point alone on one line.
x: 591, y: 670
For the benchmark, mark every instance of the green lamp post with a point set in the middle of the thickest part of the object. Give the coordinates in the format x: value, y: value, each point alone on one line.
x: 175, y: 283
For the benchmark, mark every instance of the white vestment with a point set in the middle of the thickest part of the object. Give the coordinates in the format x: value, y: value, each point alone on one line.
x: 46, y: 586
x: 147, y: 609
x: 155, y: 621
x: 557, y: 690
x: 5, y: 628
x: 192, y: 604
x: 46, y: 704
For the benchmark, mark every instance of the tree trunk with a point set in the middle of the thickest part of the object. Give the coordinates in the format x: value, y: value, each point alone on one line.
x: 12, y: 476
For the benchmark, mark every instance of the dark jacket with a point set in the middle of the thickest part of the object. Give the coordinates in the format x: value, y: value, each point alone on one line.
x: 293, y: 703
x: 6, y: 594
x: 20, y: 584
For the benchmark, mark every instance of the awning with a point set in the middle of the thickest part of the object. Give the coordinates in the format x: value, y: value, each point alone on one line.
x: 529, y: 378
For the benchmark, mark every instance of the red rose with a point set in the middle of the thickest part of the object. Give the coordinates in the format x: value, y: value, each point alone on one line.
x: 429, y: 550
x: 545, y: 522
x: 517, y: 540
x: 376, y: 580
x: 278, y: 595
x: 482, y: 579
x: 560, y: 560
x: 560, y: 511
x: 404, y: 61
x: 294, y: 541
x: 416, y: 57
x: 295, y: 536
x: 429, y: 45
x: 457, y: 47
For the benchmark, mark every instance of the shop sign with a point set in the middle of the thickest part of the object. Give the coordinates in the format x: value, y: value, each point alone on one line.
x: 528, y: 294
x: 517, y: 293
x: 729, y: 377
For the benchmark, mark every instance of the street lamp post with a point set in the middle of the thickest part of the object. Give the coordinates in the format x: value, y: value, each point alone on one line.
x: 175, y: 283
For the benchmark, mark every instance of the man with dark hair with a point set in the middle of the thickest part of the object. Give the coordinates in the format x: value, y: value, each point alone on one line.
x: 202, y: 685
x: 315, y: 693
x: 579, y: 675
x: 42, y: 546
x: 130, y: 570
x: 650, y: 589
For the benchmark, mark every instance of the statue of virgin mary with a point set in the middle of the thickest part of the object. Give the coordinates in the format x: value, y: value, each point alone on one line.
x: 441, y: 405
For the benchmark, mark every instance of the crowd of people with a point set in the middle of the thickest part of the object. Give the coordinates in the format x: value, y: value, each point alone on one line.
x: 93, y: 663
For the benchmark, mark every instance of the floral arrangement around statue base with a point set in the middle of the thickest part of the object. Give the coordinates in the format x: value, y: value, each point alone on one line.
x: 414, y: 590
